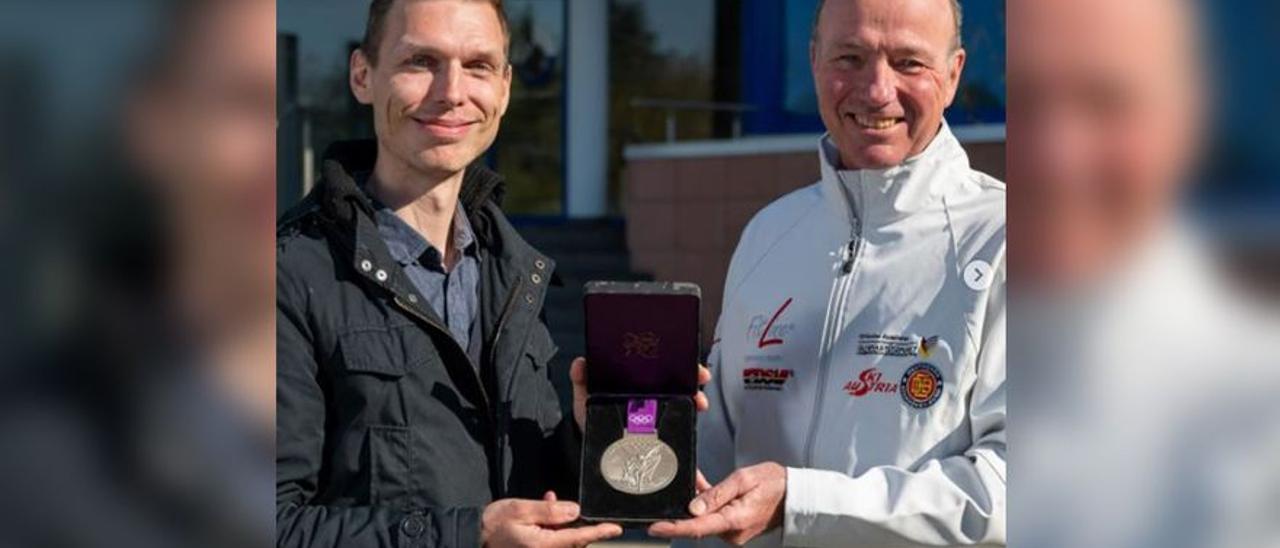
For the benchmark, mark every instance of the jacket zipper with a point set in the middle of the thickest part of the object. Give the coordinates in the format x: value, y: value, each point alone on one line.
x: 835, y: 315
x: 500, y: 448
x: 502, y: 320
x: 484, y: 395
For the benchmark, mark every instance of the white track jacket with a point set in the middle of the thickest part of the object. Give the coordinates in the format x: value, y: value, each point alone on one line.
x: 862, y: 345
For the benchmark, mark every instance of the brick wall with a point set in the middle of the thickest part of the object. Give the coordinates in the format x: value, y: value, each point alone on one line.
x: 685, y: 213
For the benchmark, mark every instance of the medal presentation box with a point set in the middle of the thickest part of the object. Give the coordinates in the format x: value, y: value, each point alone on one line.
x: 639, y: 449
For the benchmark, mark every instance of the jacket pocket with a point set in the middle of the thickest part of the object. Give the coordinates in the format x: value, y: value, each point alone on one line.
x: 390, y: 464
x: 377, y: 350
x: 369, y: 383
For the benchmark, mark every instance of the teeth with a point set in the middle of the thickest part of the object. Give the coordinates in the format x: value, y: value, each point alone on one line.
x: 873, y: 122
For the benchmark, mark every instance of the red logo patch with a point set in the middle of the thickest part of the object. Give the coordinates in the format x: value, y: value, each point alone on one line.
x: 870, y: 381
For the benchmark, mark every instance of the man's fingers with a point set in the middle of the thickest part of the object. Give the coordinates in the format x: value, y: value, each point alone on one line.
x: 712, y: 499
x: 738, y: 517
x: 582, y: 536
x: 549, y: 496
x: 578, y: 371
x: 699, y: 527
x: 664, y: 529
x: 559, y: 513
x: 700, y: 401
x: 700, y: 482
x: 545, y: 512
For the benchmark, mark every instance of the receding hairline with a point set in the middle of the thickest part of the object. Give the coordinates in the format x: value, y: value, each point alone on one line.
x: 376, y: 23
x: 957, y: 13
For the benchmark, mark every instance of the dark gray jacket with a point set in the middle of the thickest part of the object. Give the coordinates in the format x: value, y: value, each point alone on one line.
x: 387, y: 434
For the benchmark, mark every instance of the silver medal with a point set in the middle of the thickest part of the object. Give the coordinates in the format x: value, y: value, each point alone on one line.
x: 639, y: 464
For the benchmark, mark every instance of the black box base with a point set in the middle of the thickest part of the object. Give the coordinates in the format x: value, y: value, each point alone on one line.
x: 606, y: 422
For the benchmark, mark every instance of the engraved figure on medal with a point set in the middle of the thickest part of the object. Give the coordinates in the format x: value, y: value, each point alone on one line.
x: 639, y: 463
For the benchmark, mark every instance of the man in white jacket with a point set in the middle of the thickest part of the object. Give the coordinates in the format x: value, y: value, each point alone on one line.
x: 858, y: 391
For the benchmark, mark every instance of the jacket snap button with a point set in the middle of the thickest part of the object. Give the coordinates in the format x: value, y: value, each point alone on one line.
x: 528, y: 298
x: 537, y: 279
x: 413, y: 526
x: 381, y: 275
x: 540, y: 264
x: 413, y: 299
x: 366, y: 265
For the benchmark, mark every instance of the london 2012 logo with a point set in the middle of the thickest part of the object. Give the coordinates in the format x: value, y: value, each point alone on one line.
x: 921, y: 385
x: 644, y: 345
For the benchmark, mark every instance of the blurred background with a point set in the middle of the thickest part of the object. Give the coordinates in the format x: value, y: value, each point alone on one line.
x: 137, y: 212
x: 1144, y: 287
x: 1236, y: 193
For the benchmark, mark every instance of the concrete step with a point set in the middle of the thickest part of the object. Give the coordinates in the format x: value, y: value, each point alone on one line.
x: 607, y: 236
x: 574, y: 262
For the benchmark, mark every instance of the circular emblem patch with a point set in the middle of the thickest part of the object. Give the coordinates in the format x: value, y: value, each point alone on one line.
x: 921, y: 385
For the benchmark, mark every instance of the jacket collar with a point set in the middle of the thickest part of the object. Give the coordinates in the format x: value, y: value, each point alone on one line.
x: 341, y: 196
x: 350, y: 211
x: 884, y: 195
x: 350, y: 216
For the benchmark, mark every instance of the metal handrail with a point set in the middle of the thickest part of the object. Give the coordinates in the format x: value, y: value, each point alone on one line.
x: 671, y: 106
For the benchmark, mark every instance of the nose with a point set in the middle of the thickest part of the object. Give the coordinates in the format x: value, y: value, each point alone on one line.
x: 878, y: 83
x: 447, y: 86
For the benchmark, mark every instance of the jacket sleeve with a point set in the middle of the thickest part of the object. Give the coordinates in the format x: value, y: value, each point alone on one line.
x: 715, y: 430
x: 716, y: 447
x: 955, y: 500
x: 300, y: 435
x: 563, y: 448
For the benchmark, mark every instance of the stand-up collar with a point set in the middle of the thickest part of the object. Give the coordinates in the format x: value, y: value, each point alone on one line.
x: 338, y: 189
x: 882, y: 195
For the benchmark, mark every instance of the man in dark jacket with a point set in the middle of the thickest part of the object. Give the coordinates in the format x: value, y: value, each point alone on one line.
x: 414, y: 407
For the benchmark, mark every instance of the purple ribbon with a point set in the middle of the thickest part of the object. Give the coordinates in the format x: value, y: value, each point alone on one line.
x: 642, y: 416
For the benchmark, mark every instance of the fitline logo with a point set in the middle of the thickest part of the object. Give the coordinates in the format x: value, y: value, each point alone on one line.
x: 763, y: 342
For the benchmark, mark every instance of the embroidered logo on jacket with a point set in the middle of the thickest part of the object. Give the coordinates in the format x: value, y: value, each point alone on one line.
x: 921, y: 385
x: 927, y: 344
x: 870, y: 381
x: 763, y: 378
x: 897, y: 346
x: 769, y: 332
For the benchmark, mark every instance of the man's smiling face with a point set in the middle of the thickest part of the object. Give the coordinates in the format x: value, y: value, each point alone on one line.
x: 440, y: 83
x: 884, y: 72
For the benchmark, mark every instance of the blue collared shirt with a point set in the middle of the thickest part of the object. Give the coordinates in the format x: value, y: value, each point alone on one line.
x: 453, y: 294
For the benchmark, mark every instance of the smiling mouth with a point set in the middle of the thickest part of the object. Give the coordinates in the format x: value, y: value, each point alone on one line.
x: 445, y: 128
x: 451, y: 124
x: 876, y: 122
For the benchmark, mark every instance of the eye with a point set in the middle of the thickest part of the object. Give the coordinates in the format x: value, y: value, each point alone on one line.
x: 910, y: 65
x: 850, y: 59
x: 421, y: 60
x: 482, y: 67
